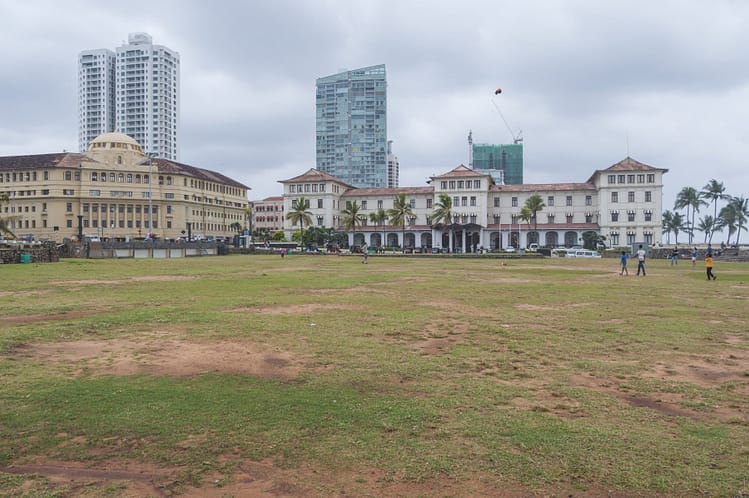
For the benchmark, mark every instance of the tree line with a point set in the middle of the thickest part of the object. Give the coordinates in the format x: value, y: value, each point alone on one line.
x: 732, y: 217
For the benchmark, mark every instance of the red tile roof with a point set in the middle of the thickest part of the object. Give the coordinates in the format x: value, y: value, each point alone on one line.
x: 388, y: 191
x: 314, y: 176
x: 542, y: 187
x: 629, y: 164
x: 460, y: 171
x: 168, y: 166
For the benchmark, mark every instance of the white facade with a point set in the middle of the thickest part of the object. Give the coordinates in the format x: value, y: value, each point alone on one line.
x: 143, y: 82
x: 487, y: 215
x: 96, y: 95
x: 148, y: 95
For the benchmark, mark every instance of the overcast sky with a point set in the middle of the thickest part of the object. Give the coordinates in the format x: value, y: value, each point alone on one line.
x: 587, y: 82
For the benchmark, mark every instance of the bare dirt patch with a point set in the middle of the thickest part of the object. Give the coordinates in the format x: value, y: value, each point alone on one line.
x: 297, y: 309
x: 34, y: 318
x: 164, y: 354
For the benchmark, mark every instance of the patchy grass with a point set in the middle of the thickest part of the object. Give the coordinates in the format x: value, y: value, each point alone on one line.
x: 407, y: 376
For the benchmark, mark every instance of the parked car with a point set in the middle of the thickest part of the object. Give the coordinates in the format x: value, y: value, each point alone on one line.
x: 586, y: 253
x: 533, y: 247
x: 508, y: 249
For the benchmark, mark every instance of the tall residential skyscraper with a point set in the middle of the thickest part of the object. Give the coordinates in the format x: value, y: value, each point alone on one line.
x: 144, y: 85
x: 95, y: 95
x: 352, y: 126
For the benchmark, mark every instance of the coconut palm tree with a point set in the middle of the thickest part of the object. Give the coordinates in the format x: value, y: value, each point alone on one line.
x: 741, y: 209
x: 534, y: 204
x: 672, y: 222
x: 399, y: 214
x: 715, y: 191
x: 4, y: 226
x: 300, y: 213
x: 688, y: 198
x: 443, y: 213
x: 707, y: 225
x: 667, y: 219
x: 380, y: 217
x: 352, y: 217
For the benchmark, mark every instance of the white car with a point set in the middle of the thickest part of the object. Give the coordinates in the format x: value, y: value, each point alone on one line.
x: 508, y: 249
x: 585, y: 253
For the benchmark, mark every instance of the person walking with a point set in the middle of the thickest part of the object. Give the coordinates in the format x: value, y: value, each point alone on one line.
x: 625, y: 257
x: 709, y: 267
x: 675, y: 256
x: 694, y: 256
x: 364, y: 254
x: 641, y: 261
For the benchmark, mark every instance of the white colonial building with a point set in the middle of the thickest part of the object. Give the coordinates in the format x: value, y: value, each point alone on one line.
x: 622, y: 202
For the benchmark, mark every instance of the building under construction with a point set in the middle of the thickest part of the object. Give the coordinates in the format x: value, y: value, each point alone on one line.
x: 504, y: 162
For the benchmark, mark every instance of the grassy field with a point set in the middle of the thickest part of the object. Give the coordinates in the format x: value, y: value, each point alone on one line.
x: 414, y: 376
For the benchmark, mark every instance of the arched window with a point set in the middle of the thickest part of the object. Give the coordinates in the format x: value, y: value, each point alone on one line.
x: 137, y: 178
x: 121, y: 178
x: 129, y: 178
x: 103, y: 176
x: 119, y: 159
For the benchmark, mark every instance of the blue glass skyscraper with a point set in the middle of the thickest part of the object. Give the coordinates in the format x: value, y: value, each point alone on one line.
x: 351, y: 126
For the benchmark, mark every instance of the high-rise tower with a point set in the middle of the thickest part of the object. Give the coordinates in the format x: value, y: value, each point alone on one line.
x: 143, y: 82
x: 351, y: 125
x: 96, y: 94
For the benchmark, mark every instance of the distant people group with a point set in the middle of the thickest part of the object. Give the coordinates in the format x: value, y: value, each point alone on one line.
x: 641, y: 255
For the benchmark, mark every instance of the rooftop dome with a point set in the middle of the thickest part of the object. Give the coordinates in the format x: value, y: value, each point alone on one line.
x: 115, y: 141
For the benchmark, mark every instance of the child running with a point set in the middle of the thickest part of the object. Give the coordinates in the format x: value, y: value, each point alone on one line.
x: 709, y: 267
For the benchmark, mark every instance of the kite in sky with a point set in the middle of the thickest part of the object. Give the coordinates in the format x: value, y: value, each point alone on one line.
x: 497, y: 91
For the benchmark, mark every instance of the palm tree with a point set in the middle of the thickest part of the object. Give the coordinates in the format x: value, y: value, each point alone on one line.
x: 300, y: 214
x: 352, y: 218
x: 715, y: 191
x: 443, y: 213
x: 707, y: 225
x: 4, y: 228
x: 741, y: 208
x: 688, y: 198
x: 672, y: 222
x: 534, y: 204
x: 379, y: 217
x: 729, y: 218
x: 667, y: 219
x: 399, y: 214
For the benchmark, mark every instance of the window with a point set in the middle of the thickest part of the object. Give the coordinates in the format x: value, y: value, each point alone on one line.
x: 588, y: 200
x: 651, y: 178
x: 168, y: 180
x: 94, y: 176
x: 168, y: 195
x: 588, y: 218
x: 630, y: 216
x: 460, y: 184
x: 69, y: 207
x: 612, y: 179
x: 412, y: 203
x: 514, y: 202
x: 630, y: 178
x: 622, y: 178
x: 319, y: 203
x: 464, y: 201
x: 614, y: 215
x: 648, y: 216
x: 630, y: 238
x: 550, y: 219
x: 322, y: 187
x: 429, y: 203
x: 68, y: 175
x: 640, y: 178
x: 614, y: 236
x: 568, y: 201
x: 550, y: 201
x: 648, y: 196
x: 630, y: 197
x: 570, y: 218
x: 306, y: 187
x: 292, y: 189
x: 452, y: 184
x: 46, y: 175
x: 443, y: 185
x: 473, y: 200
x: 476, y: 183
x: 379, y: 204
x: 129, y: 178
x: 68, y: 192
x: 496, y: 202
x: 94, y: 193
x: 614, y: 196
x: 320, y: 221
x: 69, y: 223
x: 456, y: 201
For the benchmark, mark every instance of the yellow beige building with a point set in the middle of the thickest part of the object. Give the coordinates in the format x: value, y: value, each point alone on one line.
x: 115, y: 191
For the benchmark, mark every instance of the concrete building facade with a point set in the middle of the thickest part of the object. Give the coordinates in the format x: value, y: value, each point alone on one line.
x: 622, y: 202
x: 115, y: 191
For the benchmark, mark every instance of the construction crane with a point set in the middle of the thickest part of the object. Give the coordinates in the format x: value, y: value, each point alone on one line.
x: 516, y: 138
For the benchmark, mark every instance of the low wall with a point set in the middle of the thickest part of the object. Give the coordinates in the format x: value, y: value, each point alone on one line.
x: 46, y: 252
